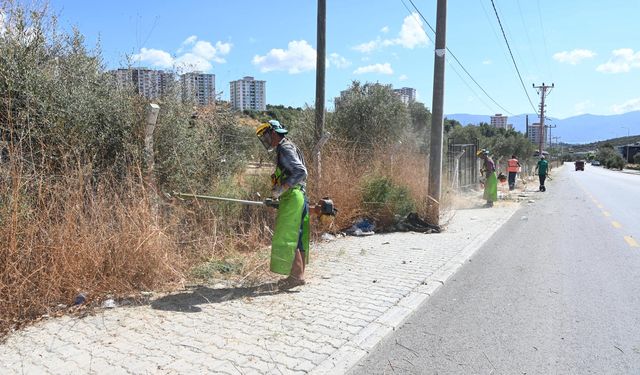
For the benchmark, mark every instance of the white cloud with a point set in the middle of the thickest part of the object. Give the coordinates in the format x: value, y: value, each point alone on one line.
x: 208, y: 52
x: 403, y: 77
x: 385, y: 29
x: 190, y: 40
x: 338, y: 61
x: 573, y: 57
x: 190, y: 62
x: 375, y: 68
x: 154, y: 57
x: 582, y: 107
x: 368, y: 46
x: 297, y: 58
x: 487, y: 62
x: 411, y: 35
x: 622, y: 61
x: 628, y: 106
x: 193, y: 55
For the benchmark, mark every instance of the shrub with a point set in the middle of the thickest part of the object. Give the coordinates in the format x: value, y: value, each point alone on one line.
x: 614, y: 161
x: 385, y: 199
x: 636, y: 158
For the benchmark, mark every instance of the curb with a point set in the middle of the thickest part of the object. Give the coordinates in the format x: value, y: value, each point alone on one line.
x: 356, y: 349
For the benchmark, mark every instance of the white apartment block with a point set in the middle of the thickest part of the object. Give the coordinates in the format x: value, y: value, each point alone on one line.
x: 406, y: 94
x: 499, y: 121
x: 534, y: 134
x: 248, y: 93
x: 149, y: 83
x: 198, y: 87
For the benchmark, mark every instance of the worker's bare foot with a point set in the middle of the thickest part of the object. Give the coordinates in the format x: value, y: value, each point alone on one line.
x: 290, y: 282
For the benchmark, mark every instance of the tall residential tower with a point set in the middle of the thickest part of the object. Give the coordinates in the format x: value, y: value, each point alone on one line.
x: 248, y: 93
x: 199, y: 87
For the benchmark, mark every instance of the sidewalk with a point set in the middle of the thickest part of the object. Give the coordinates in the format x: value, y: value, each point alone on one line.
x: 359, y: 289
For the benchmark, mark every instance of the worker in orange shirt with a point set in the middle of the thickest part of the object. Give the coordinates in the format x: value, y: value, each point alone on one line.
x: 513, y: 167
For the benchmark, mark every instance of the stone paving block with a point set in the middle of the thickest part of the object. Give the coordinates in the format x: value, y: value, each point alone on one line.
x: 413, y: 300
x: 330, y: 321
x: 339, y: 362
x: 371, y: 335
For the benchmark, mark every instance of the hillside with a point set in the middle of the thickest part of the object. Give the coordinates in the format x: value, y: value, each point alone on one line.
x: 573, y: 130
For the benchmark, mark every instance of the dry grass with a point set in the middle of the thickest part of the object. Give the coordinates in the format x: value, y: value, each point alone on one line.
x: 64, y: 234
x: 345, y: 169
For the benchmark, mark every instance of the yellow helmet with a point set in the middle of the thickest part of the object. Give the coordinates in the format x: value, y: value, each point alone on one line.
x: 265, y: 131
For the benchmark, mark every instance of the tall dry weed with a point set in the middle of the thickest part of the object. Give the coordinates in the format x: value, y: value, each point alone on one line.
x: 63, y: 235
x: 345, y: 169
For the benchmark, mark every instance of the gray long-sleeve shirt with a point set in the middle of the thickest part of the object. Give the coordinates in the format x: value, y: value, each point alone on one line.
x: 291, y: 161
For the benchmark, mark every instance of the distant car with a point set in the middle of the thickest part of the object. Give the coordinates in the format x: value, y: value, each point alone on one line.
x: 595, y: 163
x: 579, y: 165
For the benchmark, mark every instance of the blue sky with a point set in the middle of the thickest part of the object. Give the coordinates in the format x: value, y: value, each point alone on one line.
x: 590, y: 49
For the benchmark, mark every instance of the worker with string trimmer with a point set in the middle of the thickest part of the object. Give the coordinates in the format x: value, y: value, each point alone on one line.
x: 290, y: 242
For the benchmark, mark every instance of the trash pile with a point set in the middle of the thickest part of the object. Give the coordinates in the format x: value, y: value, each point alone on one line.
x: 409, y: 223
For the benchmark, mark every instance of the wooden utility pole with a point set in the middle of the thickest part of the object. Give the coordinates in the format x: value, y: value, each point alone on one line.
x: 543, y: 93
x: 320, y: 81
x: 149, y: 155
x: 435, y: 151
x: 550, y: 137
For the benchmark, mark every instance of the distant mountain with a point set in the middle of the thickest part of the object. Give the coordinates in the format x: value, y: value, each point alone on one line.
x: 577, y: 129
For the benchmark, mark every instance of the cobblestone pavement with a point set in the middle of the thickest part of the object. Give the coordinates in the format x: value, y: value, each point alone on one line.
x: 359, y: 289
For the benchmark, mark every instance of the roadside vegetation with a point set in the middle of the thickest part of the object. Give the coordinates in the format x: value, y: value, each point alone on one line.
x: 79, y: 213
x: 609, y: 157
x: 501, y: 143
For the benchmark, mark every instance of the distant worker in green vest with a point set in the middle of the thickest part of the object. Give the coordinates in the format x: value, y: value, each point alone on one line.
x: 513, y: 167
x: 542, y: 168
x: 491, y: 180
x: 290, y: 242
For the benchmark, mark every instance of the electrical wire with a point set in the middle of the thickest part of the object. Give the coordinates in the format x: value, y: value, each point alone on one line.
x: 544, y: 40
x: 526, y: 33
x: 456, y: 59
x: 512, y: 58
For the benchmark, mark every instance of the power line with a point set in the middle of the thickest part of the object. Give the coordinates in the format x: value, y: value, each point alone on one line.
x: 544, y: 40
x: 512, y: 59
x: 526, y: 32
x: 455, y: 58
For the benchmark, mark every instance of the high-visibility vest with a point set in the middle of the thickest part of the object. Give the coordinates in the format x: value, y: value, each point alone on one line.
x: 513, y: 165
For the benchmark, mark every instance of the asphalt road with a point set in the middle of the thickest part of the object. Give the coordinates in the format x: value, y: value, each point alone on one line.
x: 555, y: 291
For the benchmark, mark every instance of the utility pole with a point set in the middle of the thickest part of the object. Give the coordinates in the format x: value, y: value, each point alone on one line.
x: 435, y: 151
x: 550, y: 137
x: 556, y: 138
x: 320, y: 84
x: 543, y: 93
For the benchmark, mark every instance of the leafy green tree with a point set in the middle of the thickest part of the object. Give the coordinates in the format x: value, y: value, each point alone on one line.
x: 370, y: 113
x: 450, y: 125
x: 57, y: 106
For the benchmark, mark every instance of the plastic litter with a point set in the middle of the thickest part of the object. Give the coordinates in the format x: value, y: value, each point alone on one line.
x: 327, y: 237
x: 80, y: 299
x: 109, y: 304
x: 362, y: 227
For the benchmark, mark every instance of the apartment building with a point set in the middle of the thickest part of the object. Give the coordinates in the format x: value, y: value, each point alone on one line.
x: 406, y: 94
x: 534, y: 134
x: 198, y: 87
x: 248, y: 93
x: 149, y: 83
x: 499, y: 121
